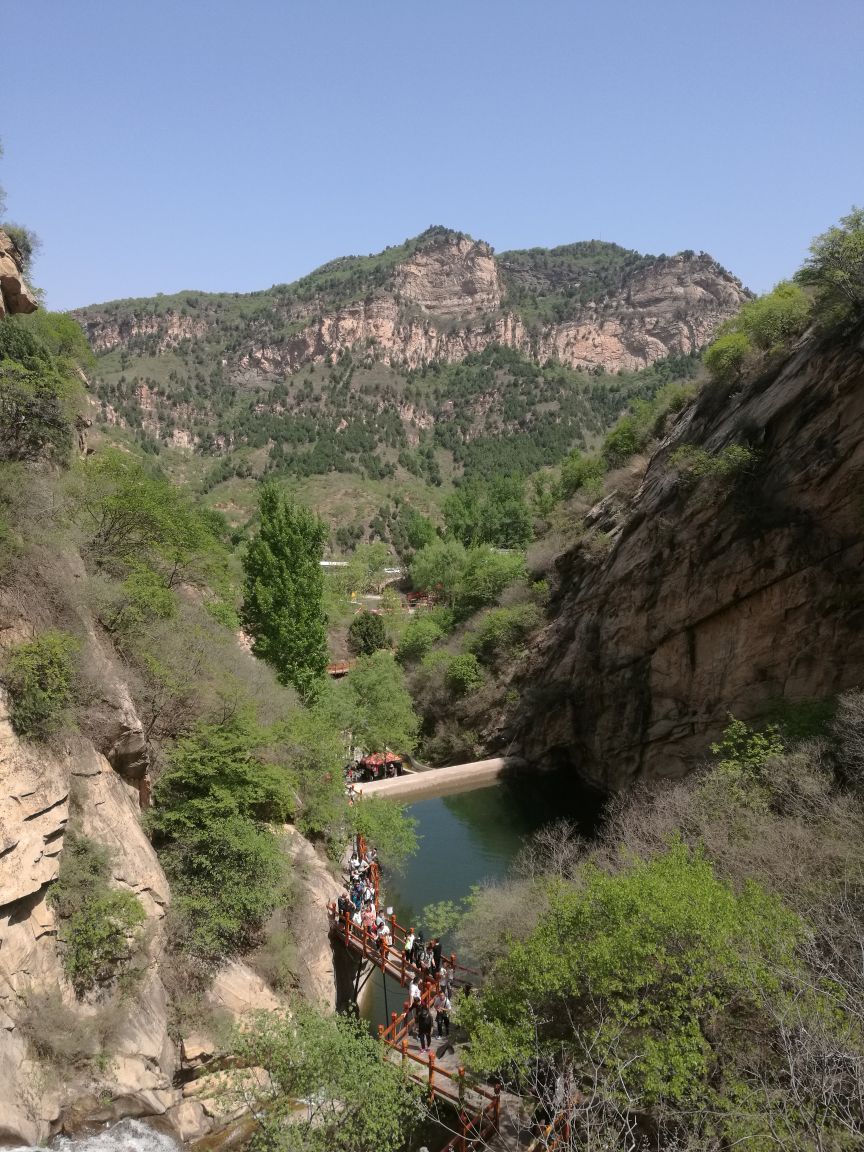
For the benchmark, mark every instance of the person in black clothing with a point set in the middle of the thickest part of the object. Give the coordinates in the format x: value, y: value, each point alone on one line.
x: 424, y: 1027
x: 436, y: 956
x: 344, y: 905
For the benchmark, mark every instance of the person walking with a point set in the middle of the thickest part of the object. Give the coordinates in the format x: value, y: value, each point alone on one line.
x: 442, y: 1007
x: 409, y: 945
x: 436, y: 956
x: 424, y: 1027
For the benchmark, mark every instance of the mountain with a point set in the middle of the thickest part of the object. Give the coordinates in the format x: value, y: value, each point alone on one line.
x: 436, y: 344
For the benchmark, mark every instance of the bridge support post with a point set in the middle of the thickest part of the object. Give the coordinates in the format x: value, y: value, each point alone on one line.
x: 431, y: 1074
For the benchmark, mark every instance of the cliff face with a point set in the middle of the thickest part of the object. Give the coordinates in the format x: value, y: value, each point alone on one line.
x: 15, y: 296
x: 708, y: 597
x: 443, y: 302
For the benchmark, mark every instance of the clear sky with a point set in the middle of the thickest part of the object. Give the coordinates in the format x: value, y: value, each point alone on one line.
x: 208, y: 144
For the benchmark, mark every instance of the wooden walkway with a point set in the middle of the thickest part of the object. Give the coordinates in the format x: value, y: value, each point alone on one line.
x: 477, y: 1106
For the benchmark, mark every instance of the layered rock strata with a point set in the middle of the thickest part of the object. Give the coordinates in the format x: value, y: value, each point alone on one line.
x: 704, y: 597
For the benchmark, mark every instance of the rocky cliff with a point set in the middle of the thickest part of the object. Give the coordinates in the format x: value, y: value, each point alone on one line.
x: 733, y: 591
x: 15, y: 296
x: 450, y: 296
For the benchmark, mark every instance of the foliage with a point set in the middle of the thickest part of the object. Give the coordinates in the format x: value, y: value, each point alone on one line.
x: 464, y: 674
x: 137, y: 518
x: 283, y: 591
x: 743, y: 760
x: 637, y: 966
x: 353, y: 1101
x: 493, y: 512
x: 39, y: 675
x: 835, y: 269
x: 136, y: 602
x: 776, y: 317
x: 578, y: 472
x: 438, y: 567
x: 484, y: 577
x: 385, y: 824
x: 422, y: 632
x: 40, y: 390
x: 411, y: 531
x: 365, y: 571
x: 726, y: 356
x: 367, y: 634
x: 96, y: 921
x: 310, y: 742
x: 211, y: 805
x: 499, y: 633
x: 731, y: 462
x: 373, y: 702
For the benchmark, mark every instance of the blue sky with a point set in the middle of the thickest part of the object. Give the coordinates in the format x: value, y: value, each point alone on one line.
x: 229, y: 146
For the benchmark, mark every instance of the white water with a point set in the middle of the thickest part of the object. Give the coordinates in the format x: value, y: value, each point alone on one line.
x: 127, y: 1136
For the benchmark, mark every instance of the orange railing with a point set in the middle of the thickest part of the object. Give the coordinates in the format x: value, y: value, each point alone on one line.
x: 476, y: 1125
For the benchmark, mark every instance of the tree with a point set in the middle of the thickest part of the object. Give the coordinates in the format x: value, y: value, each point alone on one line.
x: 374, y: 703
x: 353, y: 1101
x: 367, y: 634
x: 835, y: 268
x: 284, y: 591
x: 494, y: 513
x: 439, y: 566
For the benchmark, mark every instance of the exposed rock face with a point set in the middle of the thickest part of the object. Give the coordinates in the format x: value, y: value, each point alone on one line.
x: 35, y: 787
x: 318, y: 889
x: 457, y: 279
x: 447, y: 301
x: 711, y: 598
x: 15, y: 296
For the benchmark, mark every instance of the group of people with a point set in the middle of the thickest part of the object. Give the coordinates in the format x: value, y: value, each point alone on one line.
x: 430, y: 976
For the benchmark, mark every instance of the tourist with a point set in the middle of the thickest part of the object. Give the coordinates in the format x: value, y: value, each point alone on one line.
x: 409, y: 945
x: 442, y: 1007
x: 414, y: 990
x: 424, y: 1027
x: 344, y: 904
x: 436, y: 956
x: 417, y: 948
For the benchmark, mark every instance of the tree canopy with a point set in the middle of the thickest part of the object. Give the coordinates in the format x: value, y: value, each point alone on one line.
x: 284, y: 591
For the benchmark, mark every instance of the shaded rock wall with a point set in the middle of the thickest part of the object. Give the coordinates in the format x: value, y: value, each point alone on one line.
x: 707, y: 598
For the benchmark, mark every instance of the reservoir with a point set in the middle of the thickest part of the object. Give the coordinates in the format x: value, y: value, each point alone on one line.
x: 466, y: 840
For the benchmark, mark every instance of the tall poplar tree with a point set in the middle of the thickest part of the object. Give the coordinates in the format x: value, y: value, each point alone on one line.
x: 284, y: 591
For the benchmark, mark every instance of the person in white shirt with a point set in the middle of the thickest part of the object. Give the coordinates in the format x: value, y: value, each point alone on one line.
x: 442, y: 1007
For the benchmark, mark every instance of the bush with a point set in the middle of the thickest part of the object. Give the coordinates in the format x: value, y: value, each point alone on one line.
x: 775, y: 317
x: 579, y: 472
x: 733, y: 461
x: 464, y: 674
x: 211, y: 806
x: 484, y: 577
x: 835, y: 268
x: 62, y: 1036
x: 39, y: 677
x: 96, y: 921
x: 501, y: 631
x: 726, y: 356
x: 367, y: 634
x: 422, y: 632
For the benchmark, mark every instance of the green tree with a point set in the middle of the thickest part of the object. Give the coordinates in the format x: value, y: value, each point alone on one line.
x: 284, y: 591
x: 438, y: 567
x: 579, y: 472
x: 211, y: 808
x: 726, y: 357
x: 835, y: 268
x: 367, y: 634
x: 373, y: 702
x: 385, y: 824
x: 353, y: 1100
x: 464, y: 674
x: 631, y: 972
x: 495, y: 512
x: 422, y: 632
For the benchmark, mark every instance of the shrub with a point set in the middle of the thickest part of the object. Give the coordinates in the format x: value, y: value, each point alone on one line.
x: 64, y: 1037
x: 622, y: 442
x: 777, y: 316
x: 211, y: 805
x: 579, y: 472
x: 733, y: 461
x: 502, y: 630
x: 726, y: 356
x: 39, y: 676
x: 367, y: 634
x: 96, y: 921
x: 835, y: 268
x: 464, y: 674
x: 485, y: 576
x: 422, y: 632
